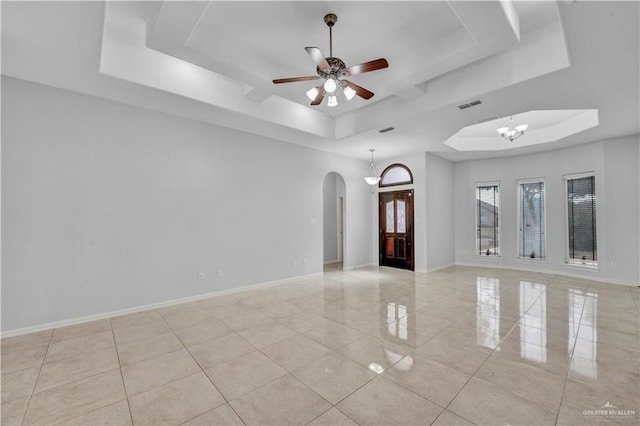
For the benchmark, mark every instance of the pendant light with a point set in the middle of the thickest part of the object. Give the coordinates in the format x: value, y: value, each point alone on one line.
x: 373, y: 177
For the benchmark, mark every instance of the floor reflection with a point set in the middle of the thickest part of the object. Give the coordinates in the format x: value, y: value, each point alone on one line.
x: 533, y: 326
x: 586, y: 347
x: 488, y: 312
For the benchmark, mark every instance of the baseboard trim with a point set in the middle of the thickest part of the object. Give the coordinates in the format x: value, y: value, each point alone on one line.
x: 135, y: 309
x: 363, y: 265
x: 566, y: 274
x: 329, y: 262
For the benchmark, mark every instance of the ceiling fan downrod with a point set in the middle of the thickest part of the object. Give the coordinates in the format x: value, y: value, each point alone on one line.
x: 330, y: 19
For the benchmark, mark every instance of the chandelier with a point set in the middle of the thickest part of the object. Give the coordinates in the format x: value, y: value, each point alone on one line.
x: 512, y: 133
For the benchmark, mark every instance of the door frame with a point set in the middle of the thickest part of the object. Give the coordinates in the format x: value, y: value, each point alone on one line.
x: 410, y: 265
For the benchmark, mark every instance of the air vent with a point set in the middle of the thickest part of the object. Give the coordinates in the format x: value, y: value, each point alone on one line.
x: 387, y: 129
x: 471, y: 104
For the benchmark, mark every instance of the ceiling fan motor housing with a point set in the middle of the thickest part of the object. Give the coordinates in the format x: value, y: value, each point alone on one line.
x: 337, y: 66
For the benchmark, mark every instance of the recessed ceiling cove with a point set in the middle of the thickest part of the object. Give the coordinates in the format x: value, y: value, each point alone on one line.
x: 543, y: 127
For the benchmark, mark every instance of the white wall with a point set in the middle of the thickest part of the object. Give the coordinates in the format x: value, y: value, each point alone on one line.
x: 107, y: 206
x: 439, y: 212
x: 330, y: 223
x: 615, y: 163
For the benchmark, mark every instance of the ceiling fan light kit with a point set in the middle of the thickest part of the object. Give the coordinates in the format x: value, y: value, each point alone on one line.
x: 331, y: 69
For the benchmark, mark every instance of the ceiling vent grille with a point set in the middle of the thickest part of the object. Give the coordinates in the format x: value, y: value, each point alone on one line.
x: 471, y: 104
x: 386, y: 129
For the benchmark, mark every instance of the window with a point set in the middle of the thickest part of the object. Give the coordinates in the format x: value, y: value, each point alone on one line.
x: 531, y: 220
x: 487, y: 220
x: 396, y: 174
x: 582, y: 248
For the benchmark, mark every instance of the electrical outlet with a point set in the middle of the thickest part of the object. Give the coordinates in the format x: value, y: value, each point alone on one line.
x: 304, y: 261
x: 219, y: 273
x: 293, y: 262
x: 614, y: 263
x: 201, y: 275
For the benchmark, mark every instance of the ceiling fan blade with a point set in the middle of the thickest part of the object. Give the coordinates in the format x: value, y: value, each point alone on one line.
x: 318, y: 58
x: 319, y: 96
x: 294, y: 79
x: 374, y: 65
x: 360, y: 91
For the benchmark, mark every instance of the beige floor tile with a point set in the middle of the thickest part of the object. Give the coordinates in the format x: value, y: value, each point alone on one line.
x: 284, y: 401
x: 136, y: 319
x: 59, y: 404
x: 267, y: 334
x: 222, y: 311
x: 334, y: 377
x: 542, y: 357
x: 139, y: 350
x: 18, y: 384
x: 333, y: 417
x: 140, y: 330
x: 622, y: 377
x: 26, y: 341
x: 461, y: 357
x: 429, y: 379
x: 295, y: 352
x: 304, y: 322
x: 447, y: 418
x: 181, y: 316
x: 579, y: 397
x: 78, y: 346
x: 527, y: 382
x: 217, y: 351
x: 485, y: 403
x: 151, y: 373
x: 13, y: 411
x: 374, y: 354
x: 202, y: 332
x: 70, y: 370
x: 244, y: 319
x: 280, y: 309
x: 81, y: 330
x: 22, y: 359
x: 383, y: 402
x: 114, y: 414
x: 630, y: 341
x: 333, y: 335
x: 175, y: 402
x: 241, y: 375
x: 223, y: 416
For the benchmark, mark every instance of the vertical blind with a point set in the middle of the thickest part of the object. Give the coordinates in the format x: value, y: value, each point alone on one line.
x: 532, y: 225
x: 487, y: 217
x: 581, y: 194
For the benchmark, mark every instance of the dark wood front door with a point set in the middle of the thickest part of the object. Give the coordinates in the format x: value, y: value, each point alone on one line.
x: 396, y: 229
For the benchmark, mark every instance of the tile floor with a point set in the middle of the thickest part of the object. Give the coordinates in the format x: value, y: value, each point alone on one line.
x: 458, y: 346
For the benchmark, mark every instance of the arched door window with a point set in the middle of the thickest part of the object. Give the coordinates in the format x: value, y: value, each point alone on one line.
x: 396, y: 174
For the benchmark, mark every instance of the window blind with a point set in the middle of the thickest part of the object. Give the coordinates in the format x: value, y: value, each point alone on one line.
x: 581, y: 194
x: 532, y: 221
x: 487, y: 220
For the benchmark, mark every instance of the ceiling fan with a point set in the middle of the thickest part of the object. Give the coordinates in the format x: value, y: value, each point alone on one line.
x: 331, y: 69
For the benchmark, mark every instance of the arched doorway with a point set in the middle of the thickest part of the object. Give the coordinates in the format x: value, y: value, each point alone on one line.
x: 334, y: 208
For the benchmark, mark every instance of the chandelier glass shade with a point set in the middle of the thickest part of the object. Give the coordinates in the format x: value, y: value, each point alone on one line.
x: 512, y: 132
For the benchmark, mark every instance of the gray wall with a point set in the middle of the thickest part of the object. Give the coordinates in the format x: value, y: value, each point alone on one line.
x: 439, y: 212
x: 107, y: 207
x: 615, y: 163
x: 330, y: 229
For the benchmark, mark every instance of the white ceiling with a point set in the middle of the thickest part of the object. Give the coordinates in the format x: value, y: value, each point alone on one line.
x: 214, y: 62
